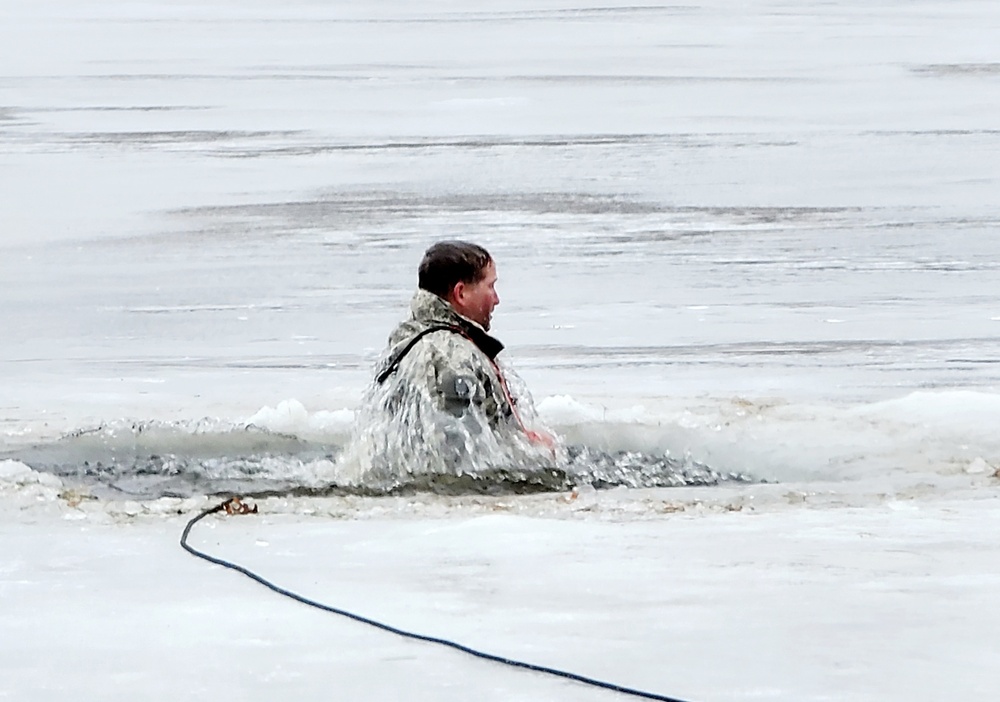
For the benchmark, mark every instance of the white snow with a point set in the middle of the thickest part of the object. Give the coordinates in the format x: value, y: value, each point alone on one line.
x: 885, y: 601
x: 292, y: 416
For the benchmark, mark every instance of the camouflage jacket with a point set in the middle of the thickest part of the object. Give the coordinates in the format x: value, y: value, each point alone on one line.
x: 450, y: 357
x: 444, y: 409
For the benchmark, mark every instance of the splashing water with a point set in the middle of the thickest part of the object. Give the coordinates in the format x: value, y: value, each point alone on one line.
x: 407, y: 438
x: 148, y: 460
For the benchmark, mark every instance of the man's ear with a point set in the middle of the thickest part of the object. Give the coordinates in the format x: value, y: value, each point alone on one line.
x: 457, y: 293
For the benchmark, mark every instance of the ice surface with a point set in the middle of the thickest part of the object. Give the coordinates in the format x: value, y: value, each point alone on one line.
x: 209, y: 210
x: 883, y: 602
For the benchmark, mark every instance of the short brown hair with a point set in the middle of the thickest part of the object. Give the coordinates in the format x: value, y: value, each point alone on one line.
x: 447, y: 263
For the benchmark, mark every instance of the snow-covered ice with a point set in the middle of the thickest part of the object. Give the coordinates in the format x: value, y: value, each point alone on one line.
x: 697, y: 600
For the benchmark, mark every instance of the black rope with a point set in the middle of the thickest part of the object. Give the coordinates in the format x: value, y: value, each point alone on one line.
x: 410, y: 635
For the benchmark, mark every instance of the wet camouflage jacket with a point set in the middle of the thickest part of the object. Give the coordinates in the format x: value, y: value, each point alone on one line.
x: 439, y: 414
x: 450, y: 357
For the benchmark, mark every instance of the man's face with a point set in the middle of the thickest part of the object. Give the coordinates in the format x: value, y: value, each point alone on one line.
x: 477, y: 300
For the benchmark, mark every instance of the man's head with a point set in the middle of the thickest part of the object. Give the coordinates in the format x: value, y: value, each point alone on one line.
x: 463, y: 274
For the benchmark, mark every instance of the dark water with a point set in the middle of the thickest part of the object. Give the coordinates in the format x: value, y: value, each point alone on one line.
x: 152, y: 460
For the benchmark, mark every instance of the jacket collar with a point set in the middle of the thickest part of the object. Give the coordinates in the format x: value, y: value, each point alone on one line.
x: 427, y: 308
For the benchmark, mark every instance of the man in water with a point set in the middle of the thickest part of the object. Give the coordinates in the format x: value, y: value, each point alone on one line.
x: 442, y: 401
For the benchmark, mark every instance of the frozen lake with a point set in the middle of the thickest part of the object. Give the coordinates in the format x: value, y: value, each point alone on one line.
x: 760, y: 236
x: 738, y: 226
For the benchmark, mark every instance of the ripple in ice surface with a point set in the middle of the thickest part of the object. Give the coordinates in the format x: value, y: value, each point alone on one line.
x: 148, y: 460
